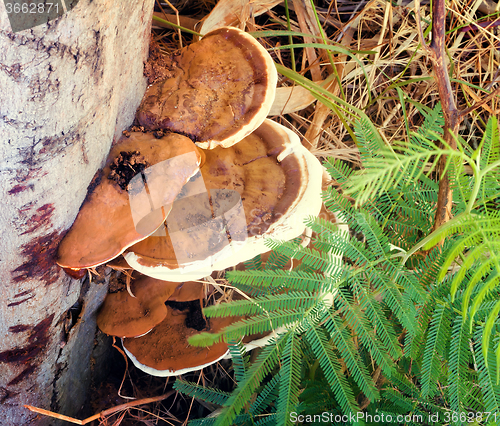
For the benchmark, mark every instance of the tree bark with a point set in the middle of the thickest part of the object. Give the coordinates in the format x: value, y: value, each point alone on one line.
x: 67, y: 90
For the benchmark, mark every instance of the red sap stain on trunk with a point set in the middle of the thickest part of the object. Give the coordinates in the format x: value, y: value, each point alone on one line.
x: 23, y: 293
x: 18, y: 328
x: 18, y: 188
x: 20, y: 301
x: 23, y: 177
x: 27, y: 355
x: 39, y: 253
x: 40, y: 219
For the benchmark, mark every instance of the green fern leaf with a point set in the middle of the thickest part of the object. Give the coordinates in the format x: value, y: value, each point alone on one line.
x: 339, y: 170
x: 205, y: 393
x: 263, y: 365
x: 385, y: 330
x: 369, y: 141
x: 254, y: 264
x: 487, y: 375
x: 240, y: 360
x: 266, y: 396
x: 434, y: 348
x: 344, y: 344
x: 487, y: 331
x: 355, y: 317
x: 293, y: 280
x: 298, y: 301
x: 257, y: 324
x: 289, y: 380
x: 458, y: 377
x: 331, y: 368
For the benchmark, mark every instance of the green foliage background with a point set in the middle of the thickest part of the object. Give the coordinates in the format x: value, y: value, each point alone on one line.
x: 390, y: 319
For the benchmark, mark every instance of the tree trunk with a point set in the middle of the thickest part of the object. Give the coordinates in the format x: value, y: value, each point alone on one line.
x: 67, y: 90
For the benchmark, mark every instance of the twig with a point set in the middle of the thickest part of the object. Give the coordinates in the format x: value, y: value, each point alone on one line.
x: 488, y: 98
x: 102, y: 414
x: 452, y: 116
x: 126, y: 369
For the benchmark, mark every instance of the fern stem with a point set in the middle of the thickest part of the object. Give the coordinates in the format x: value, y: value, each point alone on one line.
x: 187, y: 30
x: 290, y: 38
x: 478, y: 180
x: 477, y: 183
x: 312, y: 370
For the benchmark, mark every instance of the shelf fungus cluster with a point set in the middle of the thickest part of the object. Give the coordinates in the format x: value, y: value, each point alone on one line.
x: 175, y: 211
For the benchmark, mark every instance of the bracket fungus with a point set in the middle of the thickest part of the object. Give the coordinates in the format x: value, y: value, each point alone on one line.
x: 222, y: 88
x: 279, y: 182
x: 119, y: 210
x: 165, y: 350
x: 135, y: 313
x: 177, y: 211
x: 122, y: 315
x: 156, y: 323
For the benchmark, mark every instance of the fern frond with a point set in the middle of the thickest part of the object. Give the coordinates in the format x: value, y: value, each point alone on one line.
x: 437, y: 338
x: 344, y: 344
x: 459, y: 358
x: 487, y: 375
x: 487, y: 331
x: 205, y: 393
x: 267, y: 395
x: 433, y: 124
x: 255, y: 325
x: 298, y: 301
x: 240, y: 360
x: 405, y: 385
x: 492, y: 281
x: 322, y: 349
x: 436, y: 294
x: 253, y: 264
x: 276, y: 261
x: 263, y: 365
x: 289, y: 379
x: 401, y: 404
x: 323, y: 261
x: 369, y: 140
x: 355, y: 317
x: 382, y: 174
x: 339, y: 170
x: 293, y: 280
x: 337, y: 202
x: 385, y: 331
x: 490, y: 144
x: 377, y: 241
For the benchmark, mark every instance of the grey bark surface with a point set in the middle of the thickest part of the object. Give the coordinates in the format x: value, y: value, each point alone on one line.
x: 67, y: 89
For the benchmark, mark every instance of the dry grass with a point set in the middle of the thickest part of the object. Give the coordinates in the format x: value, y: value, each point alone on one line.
x: 396, y: 62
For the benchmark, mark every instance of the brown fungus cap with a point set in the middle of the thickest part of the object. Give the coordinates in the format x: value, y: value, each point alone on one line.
x: 222, y: 89
x: 165, y: 350
x: 125, y: 316
x: 279, y: 183
x: 130, y: 198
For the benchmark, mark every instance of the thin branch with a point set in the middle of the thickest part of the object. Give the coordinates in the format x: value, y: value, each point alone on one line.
x: 419, y: 26
x: 102, y: 414
x: 488, y: 98
x: 452, y: 117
